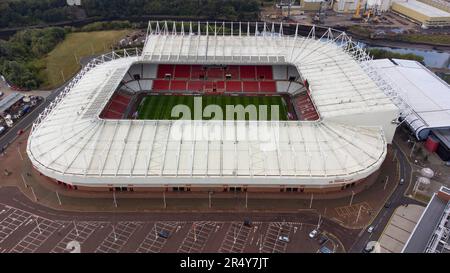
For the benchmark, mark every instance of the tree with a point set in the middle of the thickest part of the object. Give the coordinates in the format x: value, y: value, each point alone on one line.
x: 18, y: 55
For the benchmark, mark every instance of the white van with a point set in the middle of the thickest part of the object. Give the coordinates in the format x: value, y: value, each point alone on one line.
x: 2, y: 129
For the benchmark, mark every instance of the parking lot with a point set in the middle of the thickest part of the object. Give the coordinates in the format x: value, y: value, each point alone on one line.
x: 22, y: 231
x: 41, y: 232
x: 236, y: 238
x: 153, y: 243
x: 118, y: 237
x: 13, y: 107
x: 197, y: 237
x: 353, y: 210
x: 272, y: 242
x: 11, y: 220
x: 80, y: 232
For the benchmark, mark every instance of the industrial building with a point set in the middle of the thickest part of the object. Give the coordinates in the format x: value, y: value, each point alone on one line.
x: 432, y: 232
x: 311, y: 5
x: 350, y: 6
x: 423, y: 13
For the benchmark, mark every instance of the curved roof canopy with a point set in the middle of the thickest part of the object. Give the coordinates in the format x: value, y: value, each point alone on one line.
x: 69, y: 141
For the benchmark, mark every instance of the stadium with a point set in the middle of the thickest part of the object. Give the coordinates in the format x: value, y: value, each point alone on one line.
x: 221, y: 107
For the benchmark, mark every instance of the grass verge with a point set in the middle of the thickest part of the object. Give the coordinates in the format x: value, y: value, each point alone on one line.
x: 63, y: 59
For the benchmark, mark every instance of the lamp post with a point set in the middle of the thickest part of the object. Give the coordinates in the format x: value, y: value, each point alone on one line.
x: 164, y: 199
x: 59, y: 199
x: 37, y: 224
x: 359, y: 213
x: 114, y: 198
x: 246, y: 200
x: 76, y: 229
x: 209, y: 199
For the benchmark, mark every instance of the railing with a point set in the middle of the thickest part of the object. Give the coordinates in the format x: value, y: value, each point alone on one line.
x: 92, y: 64
x: 330, y: 36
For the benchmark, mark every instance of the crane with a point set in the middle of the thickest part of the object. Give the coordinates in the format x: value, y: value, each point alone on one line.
x: 357, y: 15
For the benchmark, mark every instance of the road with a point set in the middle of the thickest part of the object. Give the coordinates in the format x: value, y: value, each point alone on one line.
x: 26, y: 121
x: 397, y: 199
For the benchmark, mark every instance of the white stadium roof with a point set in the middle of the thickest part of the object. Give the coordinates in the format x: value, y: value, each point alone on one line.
x: 69, y: 141
x: 427, y: 96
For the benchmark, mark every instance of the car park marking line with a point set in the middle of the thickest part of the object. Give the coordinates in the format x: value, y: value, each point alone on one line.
x: 271, y: 241
x: 82, y: 232
x: 118, y: 237
x: 26, y: 212
x: 41, y: 232
x: 349, y: 211
x: 202, y: 232
x: 13, y: 222
x: 235, y: 238
x: 4, y: 209
x: 154, y: 243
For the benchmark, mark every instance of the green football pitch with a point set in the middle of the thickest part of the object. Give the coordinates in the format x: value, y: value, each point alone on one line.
x: 159, y: 107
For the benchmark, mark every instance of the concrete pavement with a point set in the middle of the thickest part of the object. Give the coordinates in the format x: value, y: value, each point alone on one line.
x: 397, y: 198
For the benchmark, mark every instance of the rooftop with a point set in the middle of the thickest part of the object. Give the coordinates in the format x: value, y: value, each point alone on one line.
x: 70, y: 141
x: 423, y: 8
x: 9, y: 100
x: 427, y: 96
x: 432, y: 233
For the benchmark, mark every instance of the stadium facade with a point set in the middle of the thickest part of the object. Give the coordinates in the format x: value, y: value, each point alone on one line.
x: 81, y: 140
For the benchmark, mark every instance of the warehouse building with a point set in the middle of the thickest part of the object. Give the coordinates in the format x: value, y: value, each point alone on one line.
x: 432, y: 232
x: 427, y: 15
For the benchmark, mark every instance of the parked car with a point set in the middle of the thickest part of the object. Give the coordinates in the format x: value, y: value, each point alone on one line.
x: 284, y: 239
x: 164, y: 234
x: 402, y: 181
x: 1, y: 94
x: 2, y: 129
x: 387, y: 205
x: 370, y: 229
x: 368, y: 248
x: 325, y: 249
x: 26, y: 109
x: 313, y: 233
x: 19, y: 132
x: 247, y: 223
x: 323, y: 239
